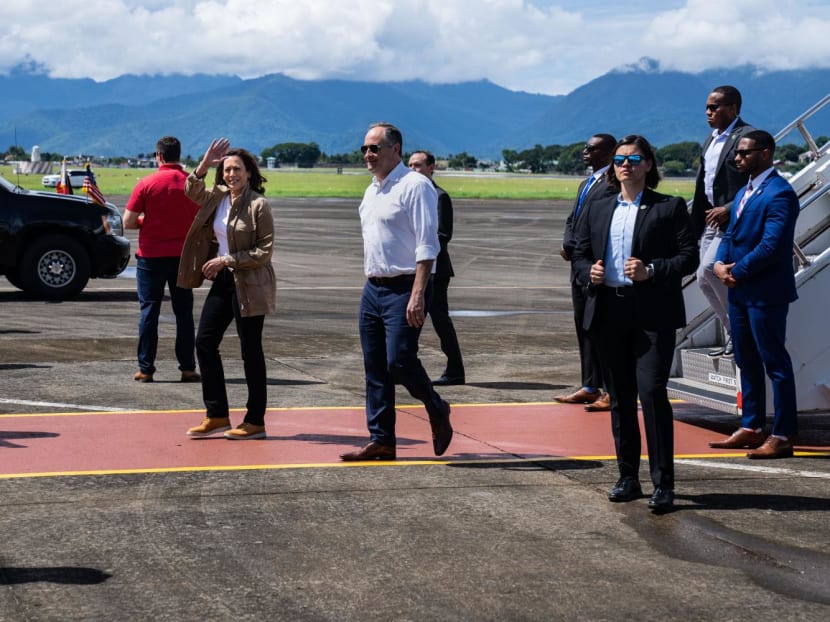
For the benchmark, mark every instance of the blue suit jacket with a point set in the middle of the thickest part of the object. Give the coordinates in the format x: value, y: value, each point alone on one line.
x: 760, y: 243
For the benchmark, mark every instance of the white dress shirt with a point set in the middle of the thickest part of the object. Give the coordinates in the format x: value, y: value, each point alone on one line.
x: 620, y: 241
x: 711, y: 158
x: 220, y: 225
x: 399, y: 219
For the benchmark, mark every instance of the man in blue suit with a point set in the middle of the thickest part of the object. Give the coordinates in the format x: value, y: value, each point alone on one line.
x: 755, y: 262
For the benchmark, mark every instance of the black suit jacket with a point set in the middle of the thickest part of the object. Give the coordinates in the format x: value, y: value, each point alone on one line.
x: 443, y: 267
x: 663, y: 236
x: 728, y: 179
x: 599, y: 189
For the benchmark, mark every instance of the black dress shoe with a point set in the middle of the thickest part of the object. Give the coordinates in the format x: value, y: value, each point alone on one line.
x: 626, y: 489
x: 728, y: 350
x: 441, y: 432
x: 446, y: 380
x: 372, y: 451
x: 713, y: 354
x: 662, y: 500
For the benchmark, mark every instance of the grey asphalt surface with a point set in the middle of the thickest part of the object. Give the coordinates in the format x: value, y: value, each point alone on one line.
x: 493, y: 540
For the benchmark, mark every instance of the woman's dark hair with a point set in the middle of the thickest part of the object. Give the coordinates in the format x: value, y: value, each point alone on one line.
x: 256, y: 181
x: 652, y: 177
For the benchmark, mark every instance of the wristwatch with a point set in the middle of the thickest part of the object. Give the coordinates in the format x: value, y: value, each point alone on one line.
x: 650, y: 270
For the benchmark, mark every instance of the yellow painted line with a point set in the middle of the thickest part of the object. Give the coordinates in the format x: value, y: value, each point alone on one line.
x: 275, y: 409
x: 274, y: 467
x: 279, y: 409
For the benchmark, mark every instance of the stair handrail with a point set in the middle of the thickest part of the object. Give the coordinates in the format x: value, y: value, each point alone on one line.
x: 799, y: 123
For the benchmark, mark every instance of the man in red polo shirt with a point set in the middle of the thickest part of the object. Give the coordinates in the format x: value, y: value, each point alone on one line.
x: 162, y: 213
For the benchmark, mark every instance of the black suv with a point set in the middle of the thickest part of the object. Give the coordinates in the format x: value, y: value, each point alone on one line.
x: 51, y: 244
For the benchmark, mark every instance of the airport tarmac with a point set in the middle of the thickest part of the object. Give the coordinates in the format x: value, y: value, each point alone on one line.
x: 108, y: 511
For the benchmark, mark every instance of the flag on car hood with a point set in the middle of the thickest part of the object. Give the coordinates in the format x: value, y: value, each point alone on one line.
x: 91, y: 188
x: 64, y: 185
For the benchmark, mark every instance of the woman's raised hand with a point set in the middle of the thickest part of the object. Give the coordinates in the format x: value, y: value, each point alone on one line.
x: 217, y: 150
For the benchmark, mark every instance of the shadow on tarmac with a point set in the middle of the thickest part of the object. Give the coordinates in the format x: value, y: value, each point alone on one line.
x: 769, y: 502
x: 58, y: 574
x: 518, y: 386
x: 17, y: 435
x: 529, y: 463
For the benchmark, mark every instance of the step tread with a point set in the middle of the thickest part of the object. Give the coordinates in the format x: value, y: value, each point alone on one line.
x: 703, y: 394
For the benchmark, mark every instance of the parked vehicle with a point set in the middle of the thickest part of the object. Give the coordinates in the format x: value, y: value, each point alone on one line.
x: 76, y: 178
x: 52, y: 244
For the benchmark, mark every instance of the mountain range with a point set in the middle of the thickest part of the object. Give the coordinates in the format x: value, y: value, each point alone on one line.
x: 125, y: 116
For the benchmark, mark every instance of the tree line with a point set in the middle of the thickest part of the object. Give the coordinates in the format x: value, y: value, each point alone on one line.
x: 676, y: 160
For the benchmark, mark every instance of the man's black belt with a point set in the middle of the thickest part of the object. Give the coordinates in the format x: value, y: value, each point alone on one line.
x: 387, y: 281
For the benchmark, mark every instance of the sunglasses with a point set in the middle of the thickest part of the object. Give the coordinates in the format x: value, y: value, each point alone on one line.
x: 633, y: 160
x: 742, y: 153
x: 715, y: 107
x: 372, y: 148
x: 591, y: 147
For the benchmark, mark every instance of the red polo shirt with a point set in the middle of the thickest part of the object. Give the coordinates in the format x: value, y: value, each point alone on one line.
x: 168, y: 213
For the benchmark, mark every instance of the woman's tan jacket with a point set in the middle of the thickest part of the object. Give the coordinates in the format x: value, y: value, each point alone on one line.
x: 250, y: 241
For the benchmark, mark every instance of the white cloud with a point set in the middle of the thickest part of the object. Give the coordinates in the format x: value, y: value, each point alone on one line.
x: 545, y: 46
x: 773, y: 34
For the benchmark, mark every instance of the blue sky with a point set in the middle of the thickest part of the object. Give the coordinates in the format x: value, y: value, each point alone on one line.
x: 542, y: 46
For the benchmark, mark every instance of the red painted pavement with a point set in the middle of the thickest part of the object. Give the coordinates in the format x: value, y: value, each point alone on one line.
x: 52, y: 444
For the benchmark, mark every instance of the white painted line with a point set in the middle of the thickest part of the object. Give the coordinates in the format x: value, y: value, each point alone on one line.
x: 752, y: 468
x: 61, y: 405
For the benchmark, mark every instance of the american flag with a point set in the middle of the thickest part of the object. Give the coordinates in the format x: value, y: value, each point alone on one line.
x: 91, y: 188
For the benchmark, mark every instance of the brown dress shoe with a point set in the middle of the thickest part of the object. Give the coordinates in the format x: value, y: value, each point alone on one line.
x: 772, y: 448
x: 372, y: 451
x: 191, y: 376
x: 741, y: 439
x: 579, y: 397
x: 601, y: 404
x: 140, y: 376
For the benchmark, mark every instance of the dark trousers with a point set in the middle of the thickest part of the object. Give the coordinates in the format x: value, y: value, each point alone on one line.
x: 220, y: 308
x: 439, y: 313
x: 588, y: 355
x: 758, y: 336
x: 151, y: 275
x: 637, y: 362
x: 390, y: 357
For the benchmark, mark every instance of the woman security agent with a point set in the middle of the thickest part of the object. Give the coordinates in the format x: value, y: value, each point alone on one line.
x: 634, y: 247
x: 230, y: 243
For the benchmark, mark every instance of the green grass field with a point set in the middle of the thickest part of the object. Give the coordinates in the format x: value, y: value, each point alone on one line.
x: 352, y: 183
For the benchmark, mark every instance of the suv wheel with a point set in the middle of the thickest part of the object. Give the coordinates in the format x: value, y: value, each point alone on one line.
x: 55, y: 267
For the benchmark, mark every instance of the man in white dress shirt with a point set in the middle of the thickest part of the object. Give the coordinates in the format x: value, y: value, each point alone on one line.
x: 399, y: 220
x: 718, y: 181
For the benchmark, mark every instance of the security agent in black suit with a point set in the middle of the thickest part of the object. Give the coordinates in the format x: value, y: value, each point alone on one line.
x: 439, y: 311
x: 718, y: 180
x: 634, y: 249
x: 597, y: 155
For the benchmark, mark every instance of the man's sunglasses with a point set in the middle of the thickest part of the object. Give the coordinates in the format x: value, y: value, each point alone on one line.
x: 591, y: 147
x: 372, y: 148
x: 742, y: 153
x: 715, y: 107
x: 633, y: 160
